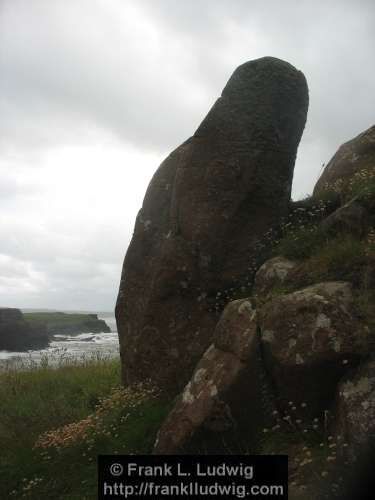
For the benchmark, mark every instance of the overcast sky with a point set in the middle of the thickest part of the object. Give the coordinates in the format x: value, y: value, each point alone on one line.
x: 95, y: 93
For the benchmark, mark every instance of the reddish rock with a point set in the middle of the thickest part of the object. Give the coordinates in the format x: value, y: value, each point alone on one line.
x: 310, y: 339
x: 228, y: 389
x: 203, y: 218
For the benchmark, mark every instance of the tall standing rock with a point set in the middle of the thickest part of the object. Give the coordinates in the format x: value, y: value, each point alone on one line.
x: 205, y: 212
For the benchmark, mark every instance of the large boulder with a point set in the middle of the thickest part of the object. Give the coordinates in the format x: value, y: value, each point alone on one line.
x: 201, y: 224
x: 16, y: 334
x: 228, y: 392
x: 354, y: 158
x: 310, y: 338
x: 351, y: 218
x: 271, y: 276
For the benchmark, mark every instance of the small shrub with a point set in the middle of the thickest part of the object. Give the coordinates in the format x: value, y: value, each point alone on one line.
x: 300, y: 233
x: 300, y: 242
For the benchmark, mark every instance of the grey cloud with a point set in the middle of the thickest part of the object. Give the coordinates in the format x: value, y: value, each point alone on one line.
x: 62, y: 77
x: 146, y: 72
x: 11, y: 189
x: 73, y: 77
x: 42, y: 273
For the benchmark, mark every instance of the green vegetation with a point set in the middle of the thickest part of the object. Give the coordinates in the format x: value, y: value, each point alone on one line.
x: 300, y: 233
x: 340, y: 258
x: 59, y: 322
x: 324, y: 256
x: 54, y: 423
x: 56, y: 317
x: 300, y: 242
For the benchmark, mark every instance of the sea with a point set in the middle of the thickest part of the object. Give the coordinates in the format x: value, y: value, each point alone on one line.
x: 67, y: 348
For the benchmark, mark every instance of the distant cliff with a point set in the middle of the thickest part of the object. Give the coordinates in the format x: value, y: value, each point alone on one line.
x: 23, y: 331
x: 17, y: 334
x: 59, y: 323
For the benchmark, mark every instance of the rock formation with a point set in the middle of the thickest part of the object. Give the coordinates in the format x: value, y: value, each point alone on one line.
x: 355, y: 157
x: 199, y: 232
x: 310, y: 338
x: 294, y: 349
x: 213, y: 399
x: 299, y: 347
x: 351, y: 218
x: 315, y: 348
x: 16, y: 334
x: 271, y: 275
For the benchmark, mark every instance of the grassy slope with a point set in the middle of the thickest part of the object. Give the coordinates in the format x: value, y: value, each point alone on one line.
x: 104, y: 418
x: 59, y: 317
x: 59, y: 322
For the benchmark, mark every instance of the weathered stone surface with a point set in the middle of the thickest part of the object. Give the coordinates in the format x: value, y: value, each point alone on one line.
x: 16, y: 334
x: 356, y: 413
x: 351, y: 158
x: 228, y: 387
x: 272, y: 274
x: 204, y: 213
x: 310, y: 338
x: 351, y: 218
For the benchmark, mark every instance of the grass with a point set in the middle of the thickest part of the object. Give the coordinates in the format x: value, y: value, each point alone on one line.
x: 300, y: 233
x: 300, y: 242
x: 325, y: 256
x: 55, y: 421
x: 58, y: 322
x: 57, y: 317
x: 340, y: 258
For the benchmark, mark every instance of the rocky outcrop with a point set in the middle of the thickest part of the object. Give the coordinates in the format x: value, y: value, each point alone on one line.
x: 200, y: 229
x: 310, y: 338
x: 300, y: 349
x: 271, y: 275
x: 355, y: 157
x: 351, y: 218
x: 213, y: 400
x: 16, y: 334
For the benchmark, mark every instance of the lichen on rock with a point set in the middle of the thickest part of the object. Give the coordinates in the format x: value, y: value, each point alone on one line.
x: 229, y: 184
